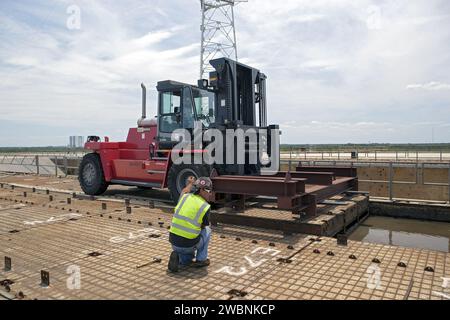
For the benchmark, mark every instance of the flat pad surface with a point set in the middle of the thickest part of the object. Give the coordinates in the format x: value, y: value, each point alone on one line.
x: 95, y: 253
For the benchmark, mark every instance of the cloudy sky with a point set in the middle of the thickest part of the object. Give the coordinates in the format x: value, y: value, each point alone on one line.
x: 338, y: 71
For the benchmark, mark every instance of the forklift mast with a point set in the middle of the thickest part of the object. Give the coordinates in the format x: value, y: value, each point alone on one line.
x: 240, y: 93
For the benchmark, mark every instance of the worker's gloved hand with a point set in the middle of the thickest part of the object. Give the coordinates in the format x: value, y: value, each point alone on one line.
x: 191, y: 180
x: 190, y: 183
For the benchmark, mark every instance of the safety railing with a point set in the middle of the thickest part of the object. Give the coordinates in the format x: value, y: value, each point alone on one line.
x: 45, y: 153
x: 57, y: 165
x: 298, y: 154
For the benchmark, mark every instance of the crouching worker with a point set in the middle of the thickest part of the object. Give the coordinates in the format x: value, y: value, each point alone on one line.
x: 190, y: 231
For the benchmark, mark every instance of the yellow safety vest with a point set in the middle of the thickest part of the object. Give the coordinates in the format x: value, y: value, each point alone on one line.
x: 188, y: 216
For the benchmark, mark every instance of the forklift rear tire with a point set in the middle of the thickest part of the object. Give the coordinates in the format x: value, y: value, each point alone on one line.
x: 178, y: 175
x: 90, y: 175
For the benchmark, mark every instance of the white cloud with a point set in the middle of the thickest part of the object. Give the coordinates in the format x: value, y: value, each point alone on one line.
x: 88, y: 80
x: 433, y: 85
x: 330, y: 77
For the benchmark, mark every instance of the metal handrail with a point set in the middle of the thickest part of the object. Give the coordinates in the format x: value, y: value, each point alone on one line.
x: 293, y: 154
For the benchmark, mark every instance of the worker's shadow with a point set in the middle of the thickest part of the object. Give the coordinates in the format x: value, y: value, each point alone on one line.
x: 189, y: 273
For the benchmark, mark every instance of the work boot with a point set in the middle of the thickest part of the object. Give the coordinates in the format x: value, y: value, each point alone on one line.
x: 199, y: 264
x: 174, y: 262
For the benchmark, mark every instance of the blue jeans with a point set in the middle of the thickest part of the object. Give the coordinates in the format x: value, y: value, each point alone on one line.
x: 187, y: 254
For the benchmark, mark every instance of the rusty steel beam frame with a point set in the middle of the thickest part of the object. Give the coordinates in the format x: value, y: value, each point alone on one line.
x: 338, y: 171
x: 340, y: 185
x: 303, y: 203
x: 289, y: 192
x: 258, y: 185
x: 289, y: 188
x: 287, y: 227
x: 322, y: 178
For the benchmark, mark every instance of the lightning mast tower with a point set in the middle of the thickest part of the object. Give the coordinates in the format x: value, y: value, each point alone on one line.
x: 218, y: 32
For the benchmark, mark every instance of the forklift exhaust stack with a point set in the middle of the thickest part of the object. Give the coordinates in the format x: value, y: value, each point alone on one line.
x: 143, y: 122
x: 144, y: 101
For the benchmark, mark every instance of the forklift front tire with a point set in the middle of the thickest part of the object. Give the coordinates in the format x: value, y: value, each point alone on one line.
x: 90, y: 175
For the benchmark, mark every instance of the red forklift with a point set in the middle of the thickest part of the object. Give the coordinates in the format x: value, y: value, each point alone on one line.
x: 233, y: 97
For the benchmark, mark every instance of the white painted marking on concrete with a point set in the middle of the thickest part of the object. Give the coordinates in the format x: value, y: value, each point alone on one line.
x: 251, y: 261
x: 63, y: 217
x: 142, y: 233
x: 229, y: 270
x: 441, y: 294
x: 254, y: 264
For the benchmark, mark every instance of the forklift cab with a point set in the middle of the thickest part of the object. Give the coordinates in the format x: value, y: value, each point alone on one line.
x: 179, y: 106
x: 234, y: 96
